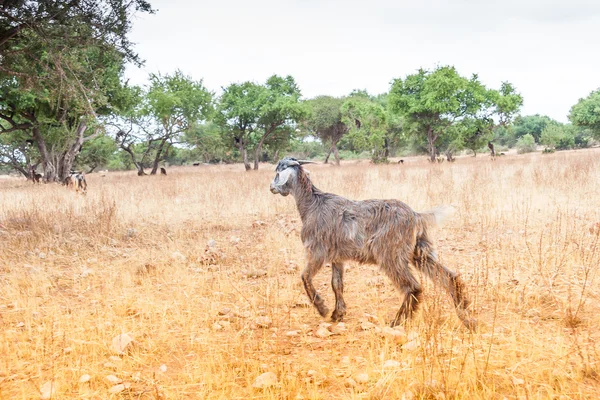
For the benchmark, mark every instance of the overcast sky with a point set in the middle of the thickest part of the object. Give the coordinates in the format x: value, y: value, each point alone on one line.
x: 550, y: 50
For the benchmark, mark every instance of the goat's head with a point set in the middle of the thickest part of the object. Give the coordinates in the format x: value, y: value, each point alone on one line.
x: 286, y: 175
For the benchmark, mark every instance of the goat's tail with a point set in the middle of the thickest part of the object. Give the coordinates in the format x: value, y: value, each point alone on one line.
x: 438, y: 215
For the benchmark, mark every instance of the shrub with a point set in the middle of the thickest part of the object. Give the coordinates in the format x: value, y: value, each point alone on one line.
x: 526, y: 144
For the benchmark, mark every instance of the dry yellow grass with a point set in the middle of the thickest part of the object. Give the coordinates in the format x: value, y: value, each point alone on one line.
x: 133, y: 257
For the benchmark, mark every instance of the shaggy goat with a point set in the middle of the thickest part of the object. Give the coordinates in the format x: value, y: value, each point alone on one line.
x: 77, y: 181
x: 384, y: 232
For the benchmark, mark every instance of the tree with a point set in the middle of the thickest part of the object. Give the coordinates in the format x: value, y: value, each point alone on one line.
x: 431, y: 101
x: 508, y: 103
x: 205, y: 142
x: 61, y: 68
x: 368, y: 126
x: 238, y: 112
x: 282, y: 109
x: 96, y: 153
x: 250, y: 114
x: 532, y: 125
x: 475, y: 133
x: 526, y: 144
x: 325, y: 122
x: 586, y: 113
x: 175, y: 104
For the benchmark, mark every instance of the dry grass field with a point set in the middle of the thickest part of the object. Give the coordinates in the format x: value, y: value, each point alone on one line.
x: 202, y: 270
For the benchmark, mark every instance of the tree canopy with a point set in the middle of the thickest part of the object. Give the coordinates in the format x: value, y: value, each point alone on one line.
x: 586, y: 113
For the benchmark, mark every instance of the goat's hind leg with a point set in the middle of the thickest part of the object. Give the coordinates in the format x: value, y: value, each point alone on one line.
x: 400, y: 275
x: 426, y: 260
x: 308, y: 274
x: 337, y: 284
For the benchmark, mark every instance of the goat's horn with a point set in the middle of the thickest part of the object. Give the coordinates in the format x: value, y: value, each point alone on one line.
x: 302, y: 162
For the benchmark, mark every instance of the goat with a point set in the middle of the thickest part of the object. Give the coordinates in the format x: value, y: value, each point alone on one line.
x: 77, y: 180
x: 384, y: 232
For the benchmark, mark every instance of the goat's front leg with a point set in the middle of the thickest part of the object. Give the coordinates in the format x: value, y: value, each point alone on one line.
x: 337, y: 283
x: 308, y: 274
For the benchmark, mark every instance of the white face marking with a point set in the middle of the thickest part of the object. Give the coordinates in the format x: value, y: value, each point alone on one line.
x: 281, y: 179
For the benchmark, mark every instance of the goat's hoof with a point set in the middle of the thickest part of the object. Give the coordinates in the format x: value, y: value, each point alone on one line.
x: 323, y: 311
x: 337, y: 316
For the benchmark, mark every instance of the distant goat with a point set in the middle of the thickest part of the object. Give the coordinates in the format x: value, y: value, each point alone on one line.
x: 163, y: 171
x: 77, y: 181
x: 384, y: 232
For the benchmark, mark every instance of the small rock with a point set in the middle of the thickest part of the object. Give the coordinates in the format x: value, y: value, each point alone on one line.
x: 338, y: 328
x: 122, y: 343
x: 411, y: 345
x: 518, y: 381
x: 42, y: 255
x: 224, y: 311
x: 266, y: 380
x: 178, y: 256
x: 292, y: 333
x: 131, y: 233
x: 311, y: 372
x: 396, y: 335
x: 263, y: 322
x: 216, y: 326
x: 234, y: 240
x: 67, y: 350
x: 119, y: 388
x: 211, y: 243
x: 366, y: 325
x: 323, y: 332
x: 391, y: 364
x: 362, y: 378
x: 21, y: 324
x: 48, y: 390
x: 85, y: 272
x: 345, y: 360
x: 113, y: 379
x: 84, y: 378
x: 162, y: 368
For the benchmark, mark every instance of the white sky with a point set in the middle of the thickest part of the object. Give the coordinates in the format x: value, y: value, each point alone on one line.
x: 549, y: 49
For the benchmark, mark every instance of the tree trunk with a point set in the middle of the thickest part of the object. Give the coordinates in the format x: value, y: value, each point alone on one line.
x: 47, y: 165
x: 138, y: 166
x: 158, y: 156
x: 336, y: 155
x: 257, y: 154
x: 68, y: 158
x: 244, y: 153
x: 431, y: 144
x: 328, y: 154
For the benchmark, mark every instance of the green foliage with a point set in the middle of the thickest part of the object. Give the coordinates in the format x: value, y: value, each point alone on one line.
x: 253, y: 115
x: 96, y: 153
x: 532, y: 125
x: 205, y: 143
x: 177, y: 102
x: 526, y: 144
x: 307, y: 149
x: 432, y: 101
x: 368, y: 126
x: 508, y: 102
x: 586, y: 113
